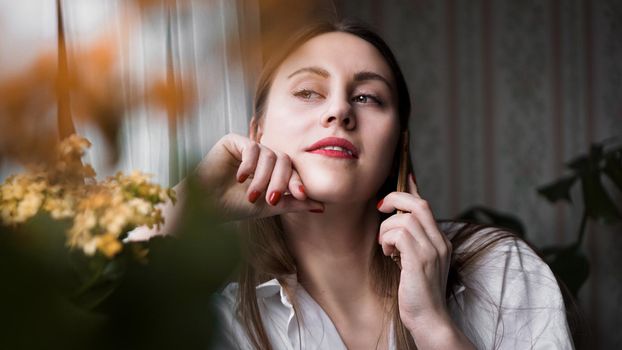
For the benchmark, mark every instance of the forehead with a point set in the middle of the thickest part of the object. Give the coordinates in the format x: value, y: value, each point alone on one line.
x: 337, y: 52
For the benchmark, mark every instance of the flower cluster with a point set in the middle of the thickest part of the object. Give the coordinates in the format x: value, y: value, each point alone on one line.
x: 100, y: 212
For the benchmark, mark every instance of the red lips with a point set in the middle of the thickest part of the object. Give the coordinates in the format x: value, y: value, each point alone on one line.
x: 318, y: 148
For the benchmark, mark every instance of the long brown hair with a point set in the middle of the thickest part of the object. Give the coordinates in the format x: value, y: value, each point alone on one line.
x: 266, y: 253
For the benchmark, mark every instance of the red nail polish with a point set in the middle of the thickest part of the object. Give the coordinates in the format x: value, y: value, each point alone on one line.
x: 243, y: 178
x: 301, y: 188
x: 379, y: 203
x: 252, y: 197
x: 317, y: 210
x: 274, y: 197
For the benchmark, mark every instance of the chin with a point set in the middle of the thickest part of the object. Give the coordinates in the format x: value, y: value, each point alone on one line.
x: 334, y: 186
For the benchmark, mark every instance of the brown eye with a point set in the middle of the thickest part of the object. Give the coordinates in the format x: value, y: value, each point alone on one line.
x: 306, y: 94
x: 365, y: 99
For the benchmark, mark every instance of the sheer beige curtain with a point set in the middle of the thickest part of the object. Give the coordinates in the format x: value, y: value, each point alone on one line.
x: 205, y: 44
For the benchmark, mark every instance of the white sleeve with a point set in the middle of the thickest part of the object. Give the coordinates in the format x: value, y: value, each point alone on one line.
x: 512, y: 301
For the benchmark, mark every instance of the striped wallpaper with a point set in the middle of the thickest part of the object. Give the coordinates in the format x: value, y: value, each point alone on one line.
x: 504, y: 93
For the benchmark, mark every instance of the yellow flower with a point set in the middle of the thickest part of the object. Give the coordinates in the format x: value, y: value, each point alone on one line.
x: 80, y: 234
x: 140, y: 206
x: 59, y: 207
x: 109, y: 245
x: 100, y: 211
x: 73, y: 146
x: 21, y: 197
x: 13, y: 188
x: 89, y: 247
x: 114, y: 219
x: 28, y: 206
x: 6, y: 212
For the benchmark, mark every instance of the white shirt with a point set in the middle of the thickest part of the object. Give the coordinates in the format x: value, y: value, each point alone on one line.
x: 509, y: 291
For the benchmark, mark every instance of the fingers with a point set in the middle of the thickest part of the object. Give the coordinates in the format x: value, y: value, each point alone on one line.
x: 419, y: 210
x: 428, y: 242
x: 289, y: 204
x: 262, y: 174
x: 271, y: 172
x: 414, y: 253
x: 281, y: 173
x: 248, y: 179
x: 296, y: 188
x: 408, y: 223
x: 409, y: 203
x: 250, y: 156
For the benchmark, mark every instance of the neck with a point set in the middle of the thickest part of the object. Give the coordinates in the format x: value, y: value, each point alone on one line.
x: 333, y: 253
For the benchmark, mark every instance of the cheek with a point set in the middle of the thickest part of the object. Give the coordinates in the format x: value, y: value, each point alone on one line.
x: 384, y: 141
x: 382, y: 150
x: 283, y: 128
x: 281, y: 132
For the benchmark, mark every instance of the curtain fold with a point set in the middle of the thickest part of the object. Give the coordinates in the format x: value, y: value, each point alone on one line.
x: 207, y: 55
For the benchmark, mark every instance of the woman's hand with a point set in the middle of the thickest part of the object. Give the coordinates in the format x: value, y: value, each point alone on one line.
x: 247, y: 179
x: 425, y: 255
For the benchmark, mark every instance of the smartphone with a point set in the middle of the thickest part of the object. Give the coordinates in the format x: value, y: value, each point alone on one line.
x: 405, y: 166
x: 402, y: 178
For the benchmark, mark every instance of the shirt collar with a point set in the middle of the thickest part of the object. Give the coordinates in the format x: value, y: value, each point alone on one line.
x: 268, y: 289
x: 274, y: 287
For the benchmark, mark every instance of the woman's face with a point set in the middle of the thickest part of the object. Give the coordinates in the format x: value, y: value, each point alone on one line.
x: 332, y: 108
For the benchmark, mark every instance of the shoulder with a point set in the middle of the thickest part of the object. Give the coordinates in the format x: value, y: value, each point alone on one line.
x: 496, y: 259
x: 511, y: 298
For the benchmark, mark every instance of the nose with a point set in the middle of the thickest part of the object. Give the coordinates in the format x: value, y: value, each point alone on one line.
x: 339, y: 113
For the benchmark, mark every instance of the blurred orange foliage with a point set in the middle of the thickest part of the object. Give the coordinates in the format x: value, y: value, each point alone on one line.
x: 96, y: 91
x: 99, y: 94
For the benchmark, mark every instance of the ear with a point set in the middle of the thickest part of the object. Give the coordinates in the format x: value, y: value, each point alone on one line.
x: 255, y: 131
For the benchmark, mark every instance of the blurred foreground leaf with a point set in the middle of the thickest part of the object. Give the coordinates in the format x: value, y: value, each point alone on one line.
x: 166, y: 303
x: 36, y: 279
x: 54, y: 298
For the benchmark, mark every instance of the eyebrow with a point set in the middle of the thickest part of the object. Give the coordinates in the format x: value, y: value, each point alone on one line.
x: 366, y: 75
x: 358, y: 77
x: 314, y: 70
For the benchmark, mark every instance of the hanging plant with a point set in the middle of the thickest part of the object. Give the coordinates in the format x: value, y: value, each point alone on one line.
x: 589, y: 170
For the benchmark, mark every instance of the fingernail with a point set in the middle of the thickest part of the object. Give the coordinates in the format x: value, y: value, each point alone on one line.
x: 242, y: 178
x: 317, y: 210
x: 379, y: 203
x: 274, y: 197
x: 301, y: 188
x: 253, y: 196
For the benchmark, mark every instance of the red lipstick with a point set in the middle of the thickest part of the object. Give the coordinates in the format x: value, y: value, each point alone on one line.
x: 334, y: 147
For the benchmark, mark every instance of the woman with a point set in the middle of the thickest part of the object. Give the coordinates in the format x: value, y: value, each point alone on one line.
x: 315, y: 183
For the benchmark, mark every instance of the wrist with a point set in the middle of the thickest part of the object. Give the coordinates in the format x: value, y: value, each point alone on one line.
x: 437, y: 331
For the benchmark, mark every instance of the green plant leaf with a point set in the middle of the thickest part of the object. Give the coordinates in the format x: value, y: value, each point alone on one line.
x: 558, y: 190
x: 613, y: 167
x: 598, y: 204
x: 569, y: 264
x: 584, y: 165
